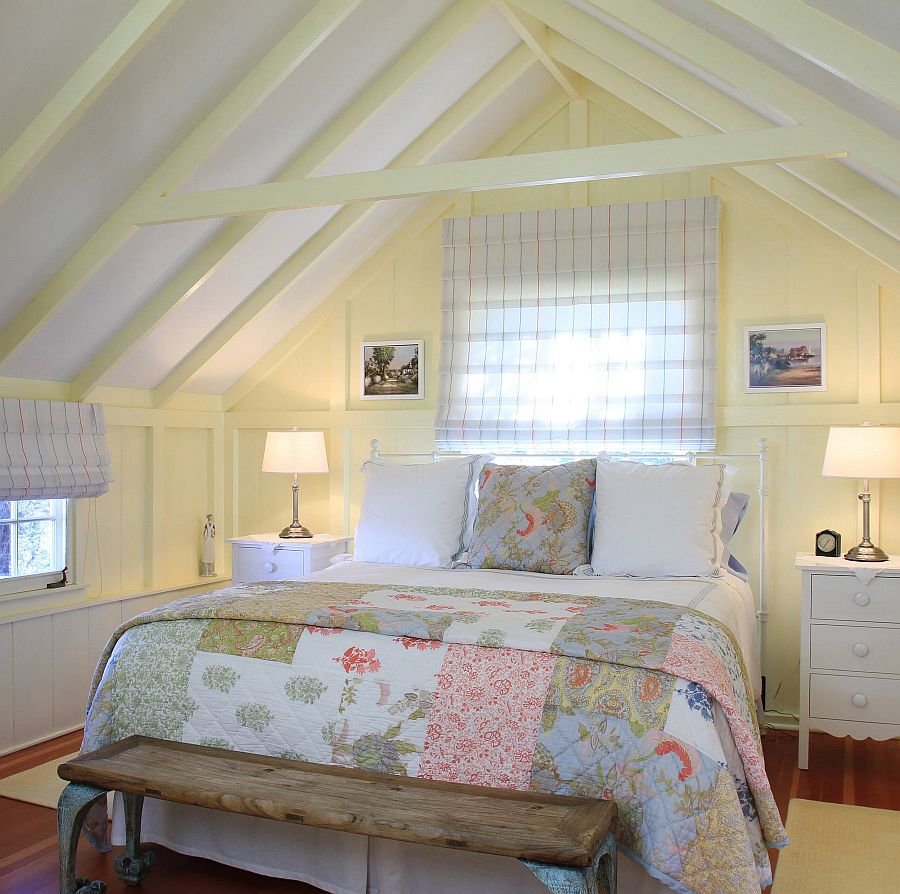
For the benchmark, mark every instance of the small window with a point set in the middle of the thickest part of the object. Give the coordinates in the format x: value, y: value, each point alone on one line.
x: 32, y: 542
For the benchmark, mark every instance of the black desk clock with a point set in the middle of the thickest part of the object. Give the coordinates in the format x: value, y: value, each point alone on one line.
x: 828, y: 543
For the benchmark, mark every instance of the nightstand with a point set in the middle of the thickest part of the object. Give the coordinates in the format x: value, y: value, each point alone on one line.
x: 850, y: 649
x: 268, y: 557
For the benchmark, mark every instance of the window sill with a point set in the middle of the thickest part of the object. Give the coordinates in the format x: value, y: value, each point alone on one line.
x: 43, y: 602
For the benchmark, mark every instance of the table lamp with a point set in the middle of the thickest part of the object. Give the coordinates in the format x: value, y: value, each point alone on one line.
x: 866, y: 451
x: 295, y: 453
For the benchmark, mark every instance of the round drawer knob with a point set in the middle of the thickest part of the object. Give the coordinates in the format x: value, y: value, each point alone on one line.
x: 269, y: 567
x: 859, y: 700
x: 860, y: 650
x: 861, y: 598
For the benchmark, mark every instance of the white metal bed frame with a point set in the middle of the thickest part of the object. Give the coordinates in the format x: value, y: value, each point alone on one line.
x: 762, y: 458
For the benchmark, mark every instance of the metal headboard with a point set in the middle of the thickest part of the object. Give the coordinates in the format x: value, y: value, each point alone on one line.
x: 762, y: 458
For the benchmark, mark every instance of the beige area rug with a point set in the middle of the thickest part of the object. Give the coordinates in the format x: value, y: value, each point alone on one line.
x: 39, y: 785
x: 839, y: 849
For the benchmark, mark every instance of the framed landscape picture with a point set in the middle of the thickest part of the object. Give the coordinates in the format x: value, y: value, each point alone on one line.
x: 784, y: 358
x: 393, y: 370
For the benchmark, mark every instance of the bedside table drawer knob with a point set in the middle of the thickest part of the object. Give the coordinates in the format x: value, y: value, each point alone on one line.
x: 860, y: 650
x: 859, y: 700
x: 861, y: 599
x: 269, y: 567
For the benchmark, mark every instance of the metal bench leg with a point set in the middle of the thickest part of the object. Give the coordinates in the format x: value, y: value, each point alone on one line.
x: 74, y: 802
x: 598, y: 878
x: 134, y: 864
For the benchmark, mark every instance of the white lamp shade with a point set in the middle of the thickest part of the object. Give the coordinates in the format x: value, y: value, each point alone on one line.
x: 866, y: 451
x: 295, y: 452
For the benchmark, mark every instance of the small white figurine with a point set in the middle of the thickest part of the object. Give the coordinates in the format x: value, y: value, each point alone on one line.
x: 208, y: 556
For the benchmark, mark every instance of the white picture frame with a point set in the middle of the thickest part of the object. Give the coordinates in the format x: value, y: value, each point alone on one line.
x: 401, y: 377
x: 793, y: 358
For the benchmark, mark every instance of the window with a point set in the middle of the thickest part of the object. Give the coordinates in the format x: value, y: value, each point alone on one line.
x: 581, y: 329
x: 32, y: 540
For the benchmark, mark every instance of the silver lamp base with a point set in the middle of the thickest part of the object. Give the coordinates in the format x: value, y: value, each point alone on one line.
x: 295, y: 531
x: 866, y: 552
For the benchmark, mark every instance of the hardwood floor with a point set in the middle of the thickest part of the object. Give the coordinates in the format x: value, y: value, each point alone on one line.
x: 841, y: 770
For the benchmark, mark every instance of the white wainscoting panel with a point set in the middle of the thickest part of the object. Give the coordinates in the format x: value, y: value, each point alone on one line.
x: 7, y: 738
x: 32, y: 649
x: 47, y: 663
x: 73, y: 665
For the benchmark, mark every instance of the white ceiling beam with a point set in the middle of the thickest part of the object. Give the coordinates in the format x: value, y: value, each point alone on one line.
x: 195, y: 272
x: 478, y: 98
x: 628, y: 67
x: 831, y: 44
x: 669, y: 113
x: 773, y: 144
x: 864, y: 142
x: 381, y: 259
x: 94, y: 75
x: 534, y: 34
x: 360, y: 276
x: 272, y: 70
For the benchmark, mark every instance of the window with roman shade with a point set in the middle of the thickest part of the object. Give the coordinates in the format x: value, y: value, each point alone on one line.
x: 581, y: 329
x: 52, y: 450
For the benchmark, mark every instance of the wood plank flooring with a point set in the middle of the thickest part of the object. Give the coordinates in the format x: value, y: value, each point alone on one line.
x: 841, y: 770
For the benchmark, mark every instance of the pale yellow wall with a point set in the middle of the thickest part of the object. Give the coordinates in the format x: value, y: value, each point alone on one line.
x: 777, y: 267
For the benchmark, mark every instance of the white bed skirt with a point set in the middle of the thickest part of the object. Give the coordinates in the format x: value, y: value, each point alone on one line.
x: 339, y: 862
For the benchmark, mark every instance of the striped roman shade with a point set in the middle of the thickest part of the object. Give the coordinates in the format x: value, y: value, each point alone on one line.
x: 581, y: 329
x: 52, y: 450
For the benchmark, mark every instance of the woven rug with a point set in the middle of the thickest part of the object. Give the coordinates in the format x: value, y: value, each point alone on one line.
x: 39, y: 785
x: 839, y: 849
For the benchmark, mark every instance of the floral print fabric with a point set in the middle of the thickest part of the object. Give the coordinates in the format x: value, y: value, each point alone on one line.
x: 641, y: 702
x: 534, y: 518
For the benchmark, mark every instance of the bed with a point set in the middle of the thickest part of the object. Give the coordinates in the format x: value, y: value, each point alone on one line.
x: 641, y: 690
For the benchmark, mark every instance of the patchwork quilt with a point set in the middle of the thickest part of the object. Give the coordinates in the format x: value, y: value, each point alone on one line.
x: 642, y: 702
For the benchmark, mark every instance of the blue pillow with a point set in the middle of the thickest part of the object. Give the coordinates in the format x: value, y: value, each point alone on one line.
x: 732, y: 516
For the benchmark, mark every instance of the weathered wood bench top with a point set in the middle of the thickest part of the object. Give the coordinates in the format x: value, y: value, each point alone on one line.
x: 562, y: 830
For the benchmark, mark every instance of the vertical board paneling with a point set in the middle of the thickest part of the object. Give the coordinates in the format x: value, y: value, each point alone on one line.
x: 187, y: 500
x: 32, y: 648
x: 134, y: 520
x: 73, y: 667
x: 7, y: 734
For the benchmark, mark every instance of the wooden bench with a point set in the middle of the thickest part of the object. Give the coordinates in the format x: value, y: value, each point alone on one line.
x: 565, y: 841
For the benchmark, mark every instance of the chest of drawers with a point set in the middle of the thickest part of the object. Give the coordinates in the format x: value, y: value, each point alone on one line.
x: 850, y: 649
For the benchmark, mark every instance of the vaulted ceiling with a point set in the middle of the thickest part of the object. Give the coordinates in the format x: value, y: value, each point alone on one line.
x: 109, y: 105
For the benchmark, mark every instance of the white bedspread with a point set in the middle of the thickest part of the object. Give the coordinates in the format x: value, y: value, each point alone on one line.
x: 351, y: 864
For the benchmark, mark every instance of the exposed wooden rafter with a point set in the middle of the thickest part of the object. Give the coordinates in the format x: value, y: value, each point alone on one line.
x: 202, y: 266
x: 626, y: 65
x: 77, y: 94
x: 773, y: 144
x: 387, y: 254
x: 865, y: 142
x: 534, y: 34
x: 640, y: 92
x: 479, y: 97
x: 271, y: 71
x: 859, y: 59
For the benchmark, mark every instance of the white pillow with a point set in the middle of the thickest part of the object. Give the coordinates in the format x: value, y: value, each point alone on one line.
x: 417, y: 514
x: 659, y: 521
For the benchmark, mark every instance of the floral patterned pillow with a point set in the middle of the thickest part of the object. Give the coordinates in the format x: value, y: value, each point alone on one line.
x: 534, y: 518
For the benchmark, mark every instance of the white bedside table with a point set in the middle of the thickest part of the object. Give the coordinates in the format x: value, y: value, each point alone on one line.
x: 268, y: 557
x: 850, y: 649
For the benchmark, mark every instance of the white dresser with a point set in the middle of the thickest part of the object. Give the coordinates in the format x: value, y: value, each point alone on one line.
x: 267, y: 557
x: 850, y: 649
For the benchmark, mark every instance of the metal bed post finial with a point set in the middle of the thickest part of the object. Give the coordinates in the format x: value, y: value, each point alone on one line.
x: 375, y: 446
x: 762, y: 614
